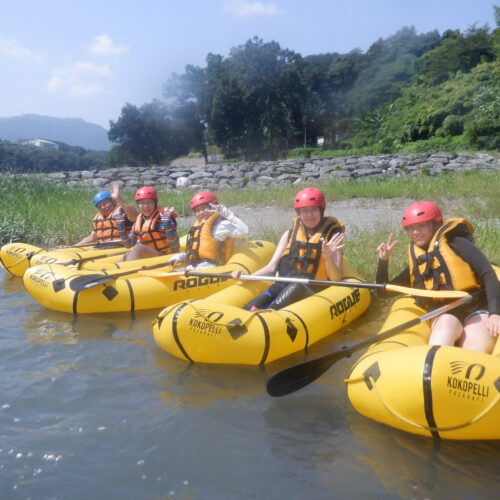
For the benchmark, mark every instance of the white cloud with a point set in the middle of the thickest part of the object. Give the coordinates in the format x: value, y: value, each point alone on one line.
x: 10, y: 47
x: 80, y: 78
x: 246, y: 8
x: 104, y: 45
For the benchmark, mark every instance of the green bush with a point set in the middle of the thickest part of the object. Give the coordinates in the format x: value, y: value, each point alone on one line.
x: 453, y: 125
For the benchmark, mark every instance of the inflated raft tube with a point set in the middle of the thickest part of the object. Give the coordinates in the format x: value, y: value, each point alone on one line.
x: 85, y: 291
x: 440, y: 391
x: 97, y: 260
x: 17, y: 257
x: 218, y: 330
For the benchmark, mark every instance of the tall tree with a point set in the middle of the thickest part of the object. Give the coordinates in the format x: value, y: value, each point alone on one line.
x: 147, y: 135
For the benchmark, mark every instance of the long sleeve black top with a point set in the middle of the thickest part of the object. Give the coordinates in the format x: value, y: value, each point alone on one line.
x: 466, y: 250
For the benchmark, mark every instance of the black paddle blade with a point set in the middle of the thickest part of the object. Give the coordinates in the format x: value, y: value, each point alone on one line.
x: 88, y: 281
x: 295, y: 377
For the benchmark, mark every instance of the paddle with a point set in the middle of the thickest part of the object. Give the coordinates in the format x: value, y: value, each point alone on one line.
x: 416, y: 292
x: 86, y: 259
x: 88, y: 281
x: 295, y: 377
x: 97, y: 244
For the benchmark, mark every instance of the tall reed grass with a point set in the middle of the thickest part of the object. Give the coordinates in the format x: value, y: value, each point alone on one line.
x: 38, y: 212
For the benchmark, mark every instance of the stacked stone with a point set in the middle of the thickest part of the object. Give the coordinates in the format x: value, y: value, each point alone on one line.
x: 263, y: 174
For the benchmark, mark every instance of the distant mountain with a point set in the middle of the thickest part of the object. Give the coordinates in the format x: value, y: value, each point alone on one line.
x: 71, y: 131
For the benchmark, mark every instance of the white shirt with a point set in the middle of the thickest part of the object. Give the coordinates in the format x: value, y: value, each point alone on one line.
x: 229, y: 226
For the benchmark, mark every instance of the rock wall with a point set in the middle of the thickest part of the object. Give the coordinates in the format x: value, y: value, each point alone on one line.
x: 260, y: 175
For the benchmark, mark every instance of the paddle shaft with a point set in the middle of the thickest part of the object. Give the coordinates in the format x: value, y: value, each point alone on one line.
x: 350, y: 284
x: 295, y: 377
x: 86, y: 259
x: 83, y: 282
x: 79, y: 245
x: 92, y: 244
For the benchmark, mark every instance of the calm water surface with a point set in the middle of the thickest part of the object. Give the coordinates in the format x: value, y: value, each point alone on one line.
x: 90, y: 407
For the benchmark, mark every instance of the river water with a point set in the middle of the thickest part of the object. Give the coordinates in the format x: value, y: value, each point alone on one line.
x: 91, y: 408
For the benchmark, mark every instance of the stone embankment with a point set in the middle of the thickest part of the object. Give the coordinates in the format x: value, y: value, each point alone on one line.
x: 260, y: 175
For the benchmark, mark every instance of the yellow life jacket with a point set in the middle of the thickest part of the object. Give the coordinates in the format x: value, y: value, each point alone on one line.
x: 202, y: 246
x: 145, y: 231
x: 302, y: 256
x: 439, y: 267
x: 106, y: 228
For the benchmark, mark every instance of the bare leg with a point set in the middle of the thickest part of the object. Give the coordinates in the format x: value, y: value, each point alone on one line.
x: 476, y: 336
x: 446, y: 330
x: 140, y: 251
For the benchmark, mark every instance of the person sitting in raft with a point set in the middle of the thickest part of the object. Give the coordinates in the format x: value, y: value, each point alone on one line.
x: 211, y: 239
x: 443, y: 256
x: 111, y: 208
x: 155, y: 230
x: 312, y: 248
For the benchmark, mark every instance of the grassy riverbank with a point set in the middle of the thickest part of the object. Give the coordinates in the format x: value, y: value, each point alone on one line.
x: 46, y: 215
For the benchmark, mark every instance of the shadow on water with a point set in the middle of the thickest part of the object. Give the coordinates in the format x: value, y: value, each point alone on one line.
x: 421, y: 467
x: 194, y: 385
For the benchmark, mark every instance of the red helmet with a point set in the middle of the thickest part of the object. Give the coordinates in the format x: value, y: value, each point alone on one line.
x: 421, y: 211
x: 309, y: 197
x: 203, y: 197
x: 146, y: 192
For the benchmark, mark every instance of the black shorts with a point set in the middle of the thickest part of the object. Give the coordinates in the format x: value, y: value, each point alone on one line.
x: 477, y: 305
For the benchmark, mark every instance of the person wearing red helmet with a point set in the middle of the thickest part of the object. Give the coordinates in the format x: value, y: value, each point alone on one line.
x: 312, y: 248
x: 211, y: 238
x: 111, y: 209
x: 442, y: 256
x: 155, y: 230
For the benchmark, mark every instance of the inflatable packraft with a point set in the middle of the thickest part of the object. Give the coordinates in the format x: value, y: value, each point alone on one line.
x: 439, y: 391
x: 218, y: 330
x: 139, y: 284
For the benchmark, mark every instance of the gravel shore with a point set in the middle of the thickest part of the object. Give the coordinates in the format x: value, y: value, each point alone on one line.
x: 357, y: 214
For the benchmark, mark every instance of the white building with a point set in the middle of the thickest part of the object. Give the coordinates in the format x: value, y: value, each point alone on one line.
x: 41, y: 143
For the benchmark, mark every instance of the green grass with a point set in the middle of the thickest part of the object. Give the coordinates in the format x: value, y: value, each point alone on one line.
x: 37, y: 212
x: 479, y: 186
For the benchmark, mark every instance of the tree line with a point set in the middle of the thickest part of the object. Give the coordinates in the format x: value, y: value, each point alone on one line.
x: 262, y: 100
x: 407, y: 92
x: 18, y: 158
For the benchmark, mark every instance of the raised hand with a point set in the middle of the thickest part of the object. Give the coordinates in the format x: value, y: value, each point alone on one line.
x: 334, y: 245
x: 385, y: 249
x: 115, y: 191
x: 222, y: 210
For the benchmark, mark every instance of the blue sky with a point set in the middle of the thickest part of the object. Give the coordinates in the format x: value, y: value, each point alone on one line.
x: 87, y: 58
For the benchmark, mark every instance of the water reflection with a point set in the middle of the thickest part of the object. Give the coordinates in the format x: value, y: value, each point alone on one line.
x: 193, y: 385
x: 421, y: 467
x: 45, y: 325
x: 90, y: 401
x: 10, y: 284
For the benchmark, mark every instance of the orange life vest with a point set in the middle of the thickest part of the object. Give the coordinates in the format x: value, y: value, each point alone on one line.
x: 145, y: 231
x: 106, y: 228
x: 302, y: 256
x: 439, y: 267
x: 202, y: 246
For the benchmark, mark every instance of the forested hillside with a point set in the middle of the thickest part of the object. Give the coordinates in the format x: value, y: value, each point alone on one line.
x: 17, y: 158
x: 410, y: 92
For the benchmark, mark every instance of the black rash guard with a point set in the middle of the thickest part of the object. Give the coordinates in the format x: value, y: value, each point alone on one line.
x: 467, y: 251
